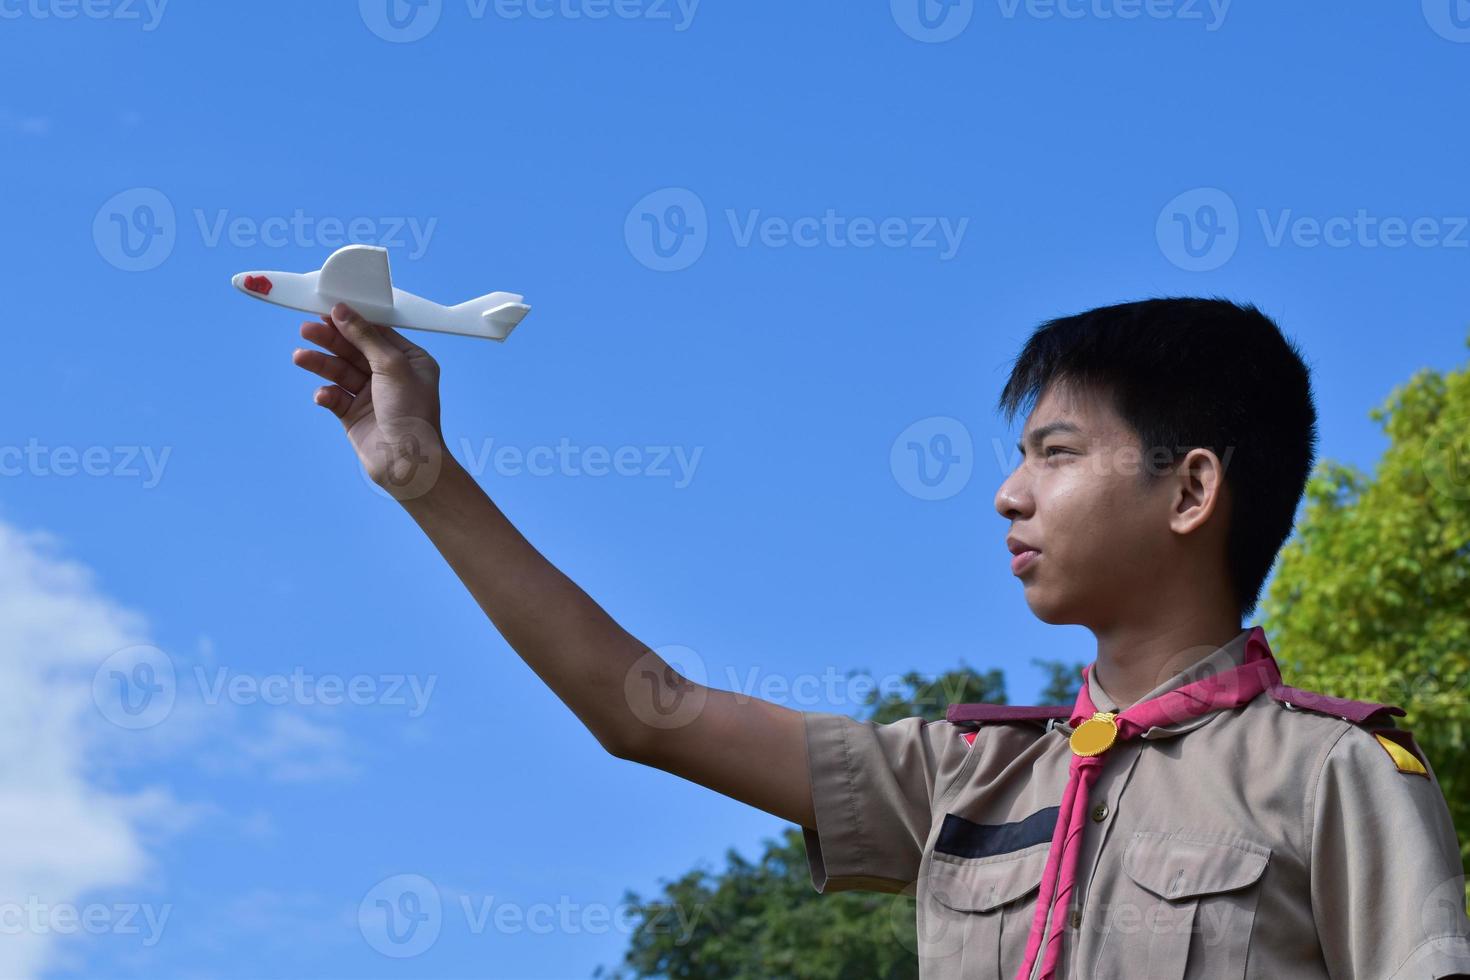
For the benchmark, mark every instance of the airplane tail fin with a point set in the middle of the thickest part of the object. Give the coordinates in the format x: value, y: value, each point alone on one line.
x: 500, y: 312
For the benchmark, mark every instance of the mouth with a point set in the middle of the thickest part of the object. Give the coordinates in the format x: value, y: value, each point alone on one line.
x: 1024, y: 560
x: 1023, y: 556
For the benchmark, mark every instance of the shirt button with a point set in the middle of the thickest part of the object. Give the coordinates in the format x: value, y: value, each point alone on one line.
x: 1100, y: 813
x: 1076, y: 919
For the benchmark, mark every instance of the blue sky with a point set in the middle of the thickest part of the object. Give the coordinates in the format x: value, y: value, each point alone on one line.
x: 764, y: 243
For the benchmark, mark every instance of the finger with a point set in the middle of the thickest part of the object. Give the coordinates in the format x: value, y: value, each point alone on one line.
x: 336, y: 399
x: 382, y: 356
x: 324, y: 333
x: 398, y: 340
x: 336, y: 369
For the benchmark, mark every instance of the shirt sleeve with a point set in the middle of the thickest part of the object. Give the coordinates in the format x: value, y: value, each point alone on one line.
x: 873, y: 787
x: 1388, y: 889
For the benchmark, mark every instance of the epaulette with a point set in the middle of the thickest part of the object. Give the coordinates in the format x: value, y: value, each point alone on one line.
x: 961, y: 713
x: 974, y: 715
x: 1397, y: 742
x: 1357, y: 712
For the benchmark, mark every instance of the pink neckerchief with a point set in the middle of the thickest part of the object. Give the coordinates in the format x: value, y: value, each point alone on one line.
x: 1229, y: 689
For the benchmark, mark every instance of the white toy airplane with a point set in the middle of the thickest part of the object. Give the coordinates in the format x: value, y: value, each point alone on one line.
x: 358, y: 276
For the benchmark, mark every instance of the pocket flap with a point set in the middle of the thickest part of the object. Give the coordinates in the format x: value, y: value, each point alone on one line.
x: 985, y: 884
x: 1183, y: 865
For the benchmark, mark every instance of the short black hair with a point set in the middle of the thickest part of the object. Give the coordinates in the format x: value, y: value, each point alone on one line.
x: 1187, y: 372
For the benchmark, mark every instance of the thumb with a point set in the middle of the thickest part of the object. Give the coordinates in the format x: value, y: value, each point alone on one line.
x: 382, y: 355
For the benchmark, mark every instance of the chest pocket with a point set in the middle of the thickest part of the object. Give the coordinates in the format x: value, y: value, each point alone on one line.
x: 975, y: 913
x: 1184, y: 907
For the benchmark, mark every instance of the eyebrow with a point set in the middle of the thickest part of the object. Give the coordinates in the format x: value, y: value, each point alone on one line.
x: 1038, y: 435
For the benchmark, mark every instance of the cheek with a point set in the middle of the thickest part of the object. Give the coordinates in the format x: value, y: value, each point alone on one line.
x: 1090, y: 517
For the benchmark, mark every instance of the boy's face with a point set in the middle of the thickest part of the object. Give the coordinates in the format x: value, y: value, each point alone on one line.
x: 1080, y: 498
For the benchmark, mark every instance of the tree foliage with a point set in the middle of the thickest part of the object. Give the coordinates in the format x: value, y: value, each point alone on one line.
x: 1371, y: 597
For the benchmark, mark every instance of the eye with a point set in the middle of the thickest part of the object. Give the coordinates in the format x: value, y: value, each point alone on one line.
x: 1051, y: 449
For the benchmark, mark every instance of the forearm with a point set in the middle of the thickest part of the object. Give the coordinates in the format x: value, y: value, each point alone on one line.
x: 570, y: 642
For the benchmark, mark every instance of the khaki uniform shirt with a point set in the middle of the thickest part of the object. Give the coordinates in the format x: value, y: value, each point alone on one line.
x: 1259, y: 841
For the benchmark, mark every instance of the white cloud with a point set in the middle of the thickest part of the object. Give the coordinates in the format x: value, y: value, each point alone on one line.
x: 70, y: 829
x: 290, y: 748
x: 66, y: 834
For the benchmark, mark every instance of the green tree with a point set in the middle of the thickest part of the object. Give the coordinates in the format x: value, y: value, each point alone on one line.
x: 762, y: 919
x: 1371, y: 597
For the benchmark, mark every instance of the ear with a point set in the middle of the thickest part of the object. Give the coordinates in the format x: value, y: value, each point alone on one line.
x: 1197, y: 490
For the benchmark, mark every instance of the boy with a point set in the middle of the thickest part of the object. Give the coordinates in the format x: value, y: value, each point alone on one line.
x: 1189, y: 816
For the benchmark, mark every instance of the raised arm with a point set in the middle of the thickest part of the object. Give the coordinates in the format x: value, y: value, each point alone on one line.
x: 385, y: 391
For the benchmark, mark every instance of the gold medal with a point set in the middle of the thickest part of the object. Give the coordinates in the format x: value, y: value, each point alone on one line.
x: 1095, y: 735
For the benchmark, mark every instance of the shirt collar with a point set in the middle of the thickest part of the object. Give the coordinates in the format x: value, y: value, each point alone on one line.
x: 1224, y: 658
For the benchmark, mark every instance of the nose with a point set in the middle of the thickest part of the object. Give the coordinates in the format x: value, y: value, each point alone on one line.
x: 1013, y: 499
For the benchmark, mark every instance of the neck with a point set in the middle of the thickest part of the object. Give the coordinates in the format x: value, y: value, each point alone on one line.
x: 1134, y: 659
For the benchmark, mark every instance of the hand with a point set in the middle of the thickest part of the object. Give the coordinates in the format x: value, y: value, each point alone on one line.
x: 386, y: 392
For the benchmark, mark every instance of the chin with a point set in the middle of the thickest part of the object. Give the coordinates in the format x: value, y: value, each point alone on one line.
x: 1047, y: 608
